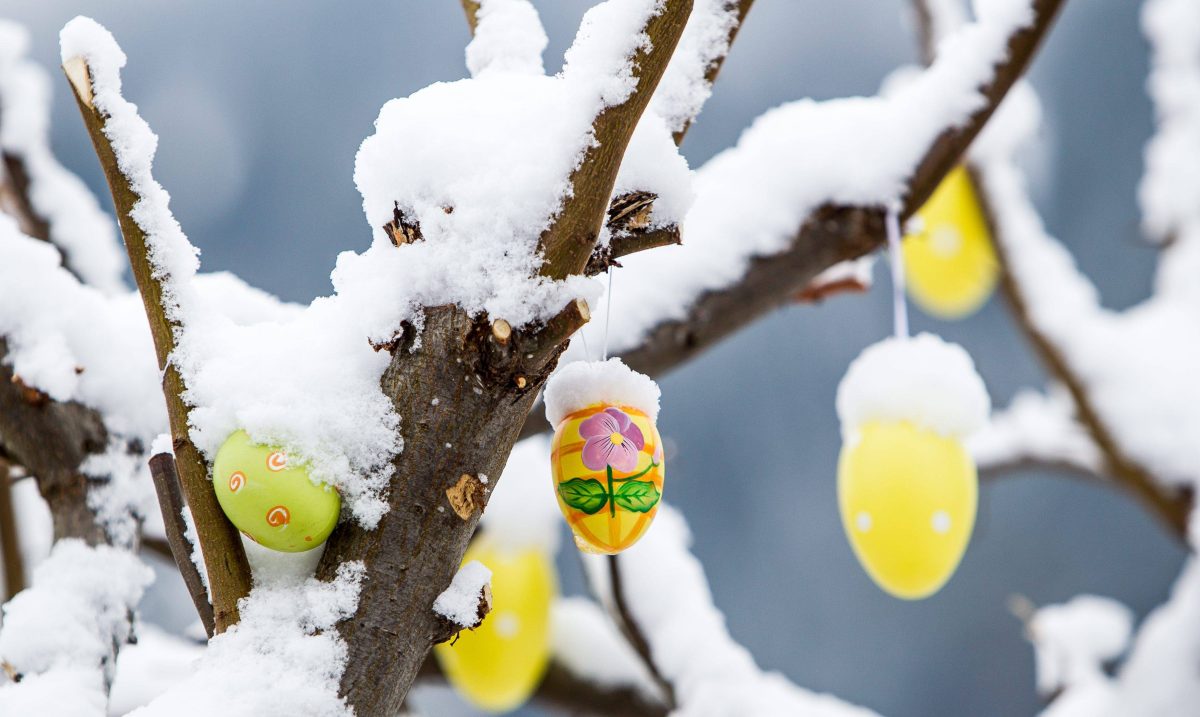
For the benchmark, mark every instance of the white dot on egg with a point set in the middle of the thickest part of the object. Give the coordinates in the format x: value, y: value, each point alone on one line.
x: 507, y: 624
x: 941, y: 522
x: 945, y: 241
x: 863, y: 521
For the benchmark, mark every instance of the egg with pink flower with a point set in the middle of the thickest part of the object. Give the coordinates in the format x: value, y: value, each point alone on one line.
x: 606, y: 456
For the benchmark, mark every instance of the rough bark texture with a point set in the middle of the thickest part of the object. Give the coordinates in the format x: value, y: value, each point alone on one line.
x: 51, y: 440
x: 224, y: 557
x: 417, y: 547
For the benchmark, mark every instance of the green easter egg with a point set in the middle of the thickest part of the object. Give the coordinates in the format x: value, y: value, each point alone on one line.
x: 270, y: 501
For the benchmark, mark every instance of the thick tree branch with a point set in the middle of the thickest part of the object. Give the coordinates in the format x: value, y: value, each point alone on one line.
x: 51, y: 440
x: 571, y: 237
x: 224, y: 557
x: 170, y: 496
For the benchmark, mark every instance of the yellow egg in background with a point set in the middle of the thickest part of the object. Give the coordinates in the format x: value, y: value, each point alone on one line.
x: 498, y: 665
x: 950, y: 264
x: 907, y: 497
x: 607, y: 463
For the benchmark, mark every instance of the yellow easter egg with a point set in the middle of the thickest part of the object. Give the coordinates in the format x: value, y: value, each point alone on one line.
x: 950, y: 265
x: 907, y: 497
x: 498, y: 665
x: 608, y: 474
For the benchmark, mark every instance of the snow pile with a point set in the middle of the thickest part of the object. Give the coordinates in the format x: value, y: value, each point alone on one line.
x: 923, y: 380
x: 521, y: 512
x: 63, y: 632
x: 668, y: 594
x: 283, y: 658
x: 752, y: 199
x: 459, y: 603
x: 1075, y: 640
x: 578, y: 385
x: 76, y: 224
x: 1039, y: 427
x: 509, y: 38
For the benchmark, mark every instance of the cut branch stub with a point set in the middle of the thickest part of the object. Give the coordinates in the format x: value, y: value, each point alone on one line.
x: 402, y: 230
x: 521, y: 357
x: 571, y: 237
x: 449, y: 629
x: 228, y: 570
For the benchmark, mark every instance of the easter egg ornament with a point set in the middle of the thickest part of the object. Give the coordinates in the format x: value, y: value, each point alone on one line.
x: 949, y: 261
x: 606, y: 455
x: 907, y: 487
x: 498, y: 665
x: 271, y: 498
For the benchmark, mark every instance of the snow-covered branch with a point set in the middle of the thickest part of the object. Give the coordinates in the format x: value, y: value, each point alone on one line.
x: 163, y: 263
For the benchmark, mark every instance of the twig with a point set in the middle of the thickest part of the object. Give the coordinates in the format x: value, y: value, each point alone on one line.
x: 170, y: 497
x: 471, y: 9
x: 632, y: 632
x: 229, y: 572
x: 10, y: 541
x: 571, y: 237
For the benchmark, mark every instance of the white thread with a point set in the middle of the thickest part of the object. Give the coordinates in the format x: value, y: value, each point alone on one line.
x: 896, y: 258
x: 607, y: 313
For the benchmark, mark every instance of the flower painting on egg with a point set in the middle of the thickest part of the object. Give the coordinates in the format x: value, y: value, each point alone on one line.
x: 608, y: 473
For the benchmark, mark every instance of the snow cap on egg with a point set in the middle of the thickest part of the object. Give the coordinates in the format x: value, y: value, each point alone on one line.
x: 578, y: 385
x: 923, y: 380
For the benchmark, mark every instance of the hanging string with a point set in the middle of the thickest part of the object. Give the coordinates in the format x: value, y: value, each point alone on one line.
x: 896, y: 258
x: 607, y: 312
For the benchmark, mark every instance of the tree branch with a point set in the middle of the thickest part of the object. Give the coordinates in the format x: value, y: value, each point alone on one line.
x: 946, y: 150
x: 710, y: 75
x: 571, y: 237
x: 224, y: 557
x: 170, y: 496
x: 10, y: 540
x: 633, y: 633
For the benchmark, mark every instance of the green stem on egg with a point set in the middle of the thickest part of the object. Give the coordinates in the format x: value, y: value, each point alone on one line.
x: 612, y: 496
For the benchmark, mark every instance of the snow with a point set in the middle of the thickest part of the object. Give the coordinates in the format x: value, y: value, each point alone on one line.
x: 1038, y: 427
x: 683, y: 89
x: 148, y: 668
x: 76, y: 223
x: 580, y: 384
x: 521, y: 512
x: 587, y: 643
x: 751, y: 199
x: 63, y: 631
x: 712, y: 675
x: 509, y: 37
x: 1137, y: 366
x: 459, y: 603
x: 1076, y: 639
x: 196, y: 555
x: 923, y: 380
x: 282, y: 658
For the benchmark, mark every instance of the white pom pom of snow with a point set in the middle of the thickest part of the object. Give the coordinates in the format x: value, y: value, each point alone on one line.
x: 509, y: 37
x: 459, y: 603
x: 923, y: 380
x: 584, y: 383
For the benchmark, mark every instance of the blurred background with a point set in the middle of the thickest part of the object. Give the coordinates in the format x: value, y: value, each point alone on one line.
x: 260, y: 108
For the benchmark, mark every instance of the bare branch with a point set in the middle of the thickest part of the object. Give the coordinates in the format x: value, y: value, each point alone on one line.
x: 628, y: 625
x: 471, y: 9
x: 571, y: 237
x: 229, y: 572
x: 166, y: 485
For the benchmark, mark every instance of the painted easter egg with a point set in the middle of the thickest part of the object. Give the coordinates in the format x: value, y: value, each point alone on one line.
x: 608, y: 474
x: 498, y: 665
x: 270, y: 498
x: 907, y: 497
x: 950, y: 265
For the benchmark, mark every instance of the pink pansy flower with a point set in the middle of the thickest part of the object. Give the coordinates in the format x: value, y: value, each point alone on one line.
x: 611, y: 439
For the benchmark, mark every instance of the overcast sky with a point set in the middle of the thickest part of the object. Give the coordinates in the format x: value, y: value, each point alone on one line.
x: 261, y: 106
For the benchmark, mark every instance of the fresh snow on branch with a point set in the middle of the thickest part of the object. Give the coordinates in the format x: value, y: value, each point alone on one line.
x: 62, y: 634
x: 460, y: 602
x: 1036, y: 427
x: 752, y: 199
x: 76, y: 224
